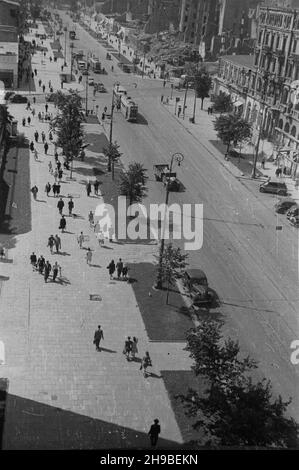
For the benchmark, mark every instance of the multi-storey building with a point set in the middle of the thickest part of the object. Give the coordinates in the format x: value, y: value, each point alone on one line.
x: 9, y: 42
x: 269, y: 88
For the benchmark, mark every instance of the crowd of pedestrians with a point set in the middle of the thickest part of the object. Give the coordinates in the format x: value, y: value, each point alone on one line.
x: 44, y: 267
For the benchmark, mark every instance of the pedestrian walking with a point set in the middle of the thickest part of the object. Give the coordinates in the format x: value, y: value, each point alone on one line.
x: 154, y: 432
x: 24, y: 122
x: 128, y: 347
x: 34, y: 100
x: 179, y: 110
x: 47, y: 270
x: 100, y: 237
x: 58, y: 189
x: 35, y: 155
x: 50, y: 167
x: 284, y: 171
x: 98, y: 336
x: 39, y: 83
x: 263, y: 163
x: 50, y: 136
x: 164, y: 83
x: 54, y: 189
x: 55, y: 174
x: 36, y: 136
x: 33, y: 112
x: 70, y: 206
x: 49, y: 83
x: 47, y: 189
x: 146, y: 362
x: 31, y: 146
x: 62, y: 224
x: 28, y: 106
x: 55, y: 270
x: 43, y: 117
x: 34, y: 191
x: 96, y: 187
x: 57, y: 241
x: 134, y: 349
x: 29, y: 120
x: 125, y: 271
x: 60, y: 174
x: 60, y: 205
x: 80, y: 239
x: 35, y: 72
x: 278, y: 172
x: 88, y: 256
x: 88, y: 188
x: 44, y: 88
x: 43, y: 137
x: 46, y: 107
x: 91, y: 219
x: 111, y: 267
x: 46, y: 146
x: 51, y: 243
x: 119, y: 268
x: 162, y: 98
x: 41, y: 264
x: 103, y: 116
x: 33, y: 260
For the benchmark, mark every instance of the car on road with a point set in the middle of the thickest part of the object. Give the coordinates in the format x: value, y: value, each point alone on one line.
x: 18, y: 99
x: 293, y: 211
x: 84, y: 72
x: 196, y: 283
x: 274, y: 187
x: 100, y: 87
x: 91, y: 81
x: 284, y: 205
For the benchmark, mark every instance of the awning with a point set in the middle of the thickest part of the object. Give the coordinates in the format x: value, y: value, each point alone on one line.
x: 238, y: 103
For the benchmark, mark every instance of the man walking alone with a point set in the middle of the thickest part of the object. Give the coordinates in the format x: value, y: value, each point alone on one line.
x: 154, y: 432
x: 98, y: 335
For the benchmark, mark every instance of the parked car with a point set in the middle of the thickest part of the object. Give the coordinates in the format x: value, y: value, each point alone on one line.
x: 282, y: 206
x: 91, y: 81
x: 100, y: 87
x: 274, y: 187
x: 84, y: 72
x: 293, y: 211
x: 196, y: 283
x: 294, y: 220
x: 18, y: 99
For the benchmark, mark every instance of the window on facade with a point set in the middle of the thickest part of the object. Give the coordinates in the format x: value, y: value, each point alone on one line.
x: 284, y: 44
x: 277, y: 42
x: 294, y: 46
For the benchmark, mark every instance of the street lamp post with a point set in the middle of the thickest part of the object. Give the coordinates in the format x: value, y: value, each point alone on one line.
x: 65, y: 30
x: 185, y: 98
x: 72, y: 47
x: 178, y: 157
x: 194, y: 106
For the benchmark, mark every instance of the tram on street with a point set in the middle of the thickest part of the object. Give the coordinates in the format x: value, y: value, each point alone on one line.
x: 128, y: 108
x: 118, y: 92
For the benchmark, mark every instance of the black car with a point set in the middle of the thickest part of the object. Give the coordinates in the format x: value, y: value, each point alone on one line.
x: 18, y: 99
x: 274, y: 187
x: 284, y: 205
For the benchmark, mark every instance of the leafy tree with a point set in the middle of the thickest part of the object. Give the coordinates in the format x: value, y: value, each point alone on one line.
x: 231, y: 128
x: 222, y: 103
x: 132, y: 183
x: 68, y: 124
x: 202, y: 84
x: 233, y: 410
x: 112, y: 153
x: 5, y: 121
x: 35, y: 9
x: 171, y: 266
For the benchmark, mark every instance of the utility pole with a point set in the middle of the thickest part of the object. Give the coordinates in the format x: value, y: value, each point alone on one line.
x: 72, y: 47
x: 86, y: 92
x: 185, y: 97
x: 179, y: 157
x: 194, y: 106
x: 264, y: 89
x: 65, y: 30
x: 110, y: 136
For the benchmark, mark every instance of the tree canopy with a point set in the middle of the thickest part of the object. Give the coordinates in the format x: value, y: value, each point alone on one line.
x: 222, y: 103
x: 231, y: 128
x: 133, y: 183
x: 233, y: 410
x: 171, y: 265
x: 202, y: 84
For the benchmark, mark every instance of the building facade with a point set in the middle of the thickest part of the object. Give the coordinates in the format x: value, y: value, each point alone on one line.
x: 9, y: 43
x: 268, y: 87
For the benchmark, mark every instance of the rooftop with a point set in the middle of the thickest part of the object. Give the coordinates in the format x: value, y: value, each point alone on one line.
x: 243, y: 60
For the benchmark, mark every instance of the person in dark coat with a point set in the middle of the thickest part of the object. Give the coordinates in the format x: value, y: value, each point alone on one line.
x: 46, y: 146
x: 58, y: 188
x: 43, y: 137
x: 154, y: 432
x: 47, y: 270
x: 33, y: 260
x: 41, y: 264
x: 119, y: 268
x: 62, y: 224
x: 71, y: 206
x: 48, y: 188
x: 32, y: 146
x: 96, y: 187
x: 36, y: 136
x: 55, y: 270
x: 98, y: 335
x: 60, y: 205
x: 111, y: 267
x: 88, y: 188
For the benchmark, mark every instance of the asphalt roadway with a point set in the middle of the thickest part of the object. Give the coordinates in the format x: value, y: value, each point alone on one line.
x: 252, y: 267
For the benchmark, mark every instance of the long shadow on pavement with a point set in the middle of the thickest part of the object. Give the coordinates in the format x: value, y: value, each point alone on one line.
x: 32, y: 425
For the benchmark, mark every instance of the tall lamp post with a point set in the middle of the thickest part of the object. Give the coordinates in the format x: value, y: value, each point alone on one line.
x: 65, y: 31
x: 185, y: 98
x: 72, y: 48
x: 178, y: 157
x: 110, y: 163
x: 263, y: 93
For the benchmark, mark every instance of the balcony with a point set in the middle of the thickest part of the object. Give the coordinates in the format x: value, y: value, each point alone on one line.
x: 294, y: 56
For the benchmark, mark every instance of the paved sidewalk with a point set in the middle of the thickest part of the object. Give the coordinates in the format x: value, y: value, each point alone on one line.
x: 62, y: 393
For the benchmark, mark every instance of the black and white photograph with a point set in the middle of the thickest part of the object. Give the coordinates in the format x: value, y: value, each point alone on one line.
x: 149, y: 222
